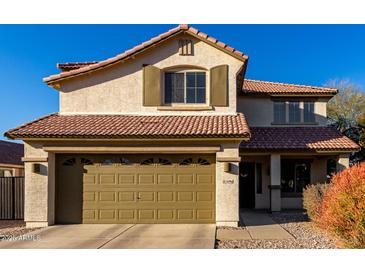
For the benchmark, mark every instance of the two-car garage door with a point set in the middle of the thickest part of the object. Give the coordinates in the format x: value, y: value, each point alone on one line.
x: 135, y: 189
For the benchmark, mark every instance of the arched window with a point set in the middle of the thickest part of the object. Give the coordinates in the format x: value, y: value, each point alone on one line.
x: 69, y: 162
x: 164, y: 162
x: 107, y: 162
x: 186, y: 162
x: 86, y: 161
x: 203, y: 162
x: 148, y: 161
x: 125, y: 161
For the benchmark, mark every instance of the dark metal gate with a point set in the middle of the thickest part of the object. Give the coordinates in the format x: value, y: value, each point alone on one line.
x: 11, y: 198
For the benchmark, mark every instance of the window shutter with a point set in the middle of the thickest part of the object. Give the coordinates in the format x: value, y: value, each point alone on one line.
x: 151, y: 86
x: 219, y: 86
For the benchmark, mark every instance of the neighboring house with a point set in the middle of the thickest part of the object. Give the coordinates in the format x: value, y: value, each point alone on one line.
x: 11, y: 159
x: 170, y: 131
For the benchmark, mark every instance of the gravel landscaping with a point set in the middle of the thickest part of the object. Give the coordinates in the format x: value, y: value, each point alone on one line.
x: 13, y: 228
x: 305, y: 234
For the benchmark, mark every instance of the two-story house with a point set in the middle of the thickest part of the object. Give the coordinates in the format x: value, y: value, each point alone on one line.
x: 170, y: 131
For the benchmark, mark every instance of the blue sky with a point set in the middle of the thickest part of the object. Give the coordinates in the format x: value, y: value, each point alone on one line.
x: 303, y: 54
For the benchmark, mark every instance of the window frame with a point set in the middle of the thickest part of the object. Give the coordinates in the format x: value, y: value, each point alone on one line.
x: 185, y: 103
x: 292, y: 114
x: 302, y: 102
x: 313, y: 113
x: 276, y: 103
x: 287, y: 165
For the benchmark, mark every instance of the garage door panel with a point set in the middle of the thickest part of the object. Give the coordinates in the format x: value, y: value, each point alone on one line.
x: 107, y: 215
x: 127, y: 215
x: 127, y: 196
x: 107, y: 196
x: 203, y: 179
x: 166, y: 189
x: 126, y: 179
x: 165, y: 179
x: 165, y: 196
x: 185, y: 178
x: 185, y: 214
x: 90, y: 179
x: 89, y: 196
x: 146, y: 214
x: 144, y: 179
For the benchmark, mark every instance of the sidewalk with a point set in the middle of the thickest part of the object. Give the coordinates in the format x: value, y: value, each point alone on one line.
x: 259, y: 226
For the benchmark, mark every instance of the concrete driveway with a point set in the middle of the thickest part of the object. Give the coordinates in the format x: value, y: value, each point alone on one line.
x: 119, y: 236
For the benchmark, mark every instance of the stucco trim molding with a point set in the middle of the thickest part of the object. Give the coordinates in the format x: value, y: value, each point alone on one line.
x: 228, y: 159
x: 137, y: 149
x: 35, y: 159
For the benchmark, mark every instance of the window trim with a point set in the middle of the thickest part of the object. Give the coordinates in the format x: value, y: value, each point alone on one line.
x: 301, y: 111
x: 184, y: 71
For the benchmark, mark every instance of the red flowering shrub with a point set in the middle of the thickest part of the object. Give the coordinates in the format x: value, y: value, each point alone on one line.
x: 343, y: 206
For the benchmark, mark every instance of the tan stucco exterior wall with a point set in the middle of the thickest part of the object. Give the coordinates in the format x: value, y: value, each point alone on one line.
x: 259, y: 111
x: 227, y: 191
x: 119, y: 88
x: 39, y: 187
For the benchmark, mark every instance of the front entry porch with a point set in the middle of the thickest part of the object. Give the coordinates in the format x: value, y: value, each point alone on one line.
x: 276, y: 181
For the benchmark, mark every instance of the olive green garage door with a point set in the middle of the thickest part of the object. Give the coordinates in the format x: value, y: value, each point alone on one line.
x: 145, y: 188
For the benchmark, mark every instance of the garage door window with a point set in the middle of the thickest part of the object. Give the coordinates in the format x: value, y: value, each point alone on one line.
x: 203, y: 162
x: 69, y: 162
x: 147, y: 162
x: 86, y: 161
x: 164, y: 162
x: 125, y: 161
x: 186, y: 162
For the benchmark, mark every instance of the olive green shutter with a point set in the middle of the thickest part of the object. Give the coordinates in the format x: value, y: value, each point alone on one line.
x: 151, y: 86
x: 219, y: 86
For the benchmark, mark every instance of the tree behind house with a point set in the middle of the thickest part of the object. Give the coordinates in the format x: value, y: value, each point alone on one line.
x: 346, y: 111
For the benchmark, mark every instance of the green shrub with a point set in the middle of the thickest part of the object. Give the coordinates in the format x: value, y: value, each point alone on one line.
x: 343, y: 206
x: 312, y: 199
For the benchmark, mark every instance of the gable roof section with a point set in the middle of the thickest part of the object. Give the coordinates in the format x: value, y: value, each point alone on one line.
x: 275, y: 88
x: 133, y: 126
x: 298, y: 138
x: 81, y: 68
x: 11, y: 153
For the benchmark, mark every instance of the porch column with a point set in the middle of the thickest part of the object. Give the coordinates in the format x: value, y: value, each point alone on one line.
x: 275, y: 184
x: 343, y: 162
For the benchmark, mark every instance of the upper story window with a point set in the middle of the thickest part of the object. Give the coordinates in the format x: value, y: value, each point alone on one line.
x: 187, y: 87
x: 309, y: 112
x: 279, y: 112
x: 294, y: 112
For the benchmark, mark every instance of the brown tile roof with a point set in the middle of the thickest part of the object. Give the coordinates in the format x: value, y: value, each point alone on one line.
x: 298, y: 138
x: 181, y: 28
x: 11, y: 153
x: 133, y: 126
x: 273, y: 88
x: 74, y: 65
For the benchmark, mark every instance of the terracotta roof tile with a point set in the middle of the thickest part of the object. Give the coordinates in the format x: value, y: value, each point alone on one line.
x: 88, y: 66
x: 298, y: 138
x: 133, y: 126
x: 74, y: 65
x: 274, y: 88
x: 11, y: 153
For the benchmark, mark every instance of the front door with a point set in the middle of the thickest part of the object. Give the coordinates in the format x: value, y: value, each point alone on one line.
x: 247, y: 185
